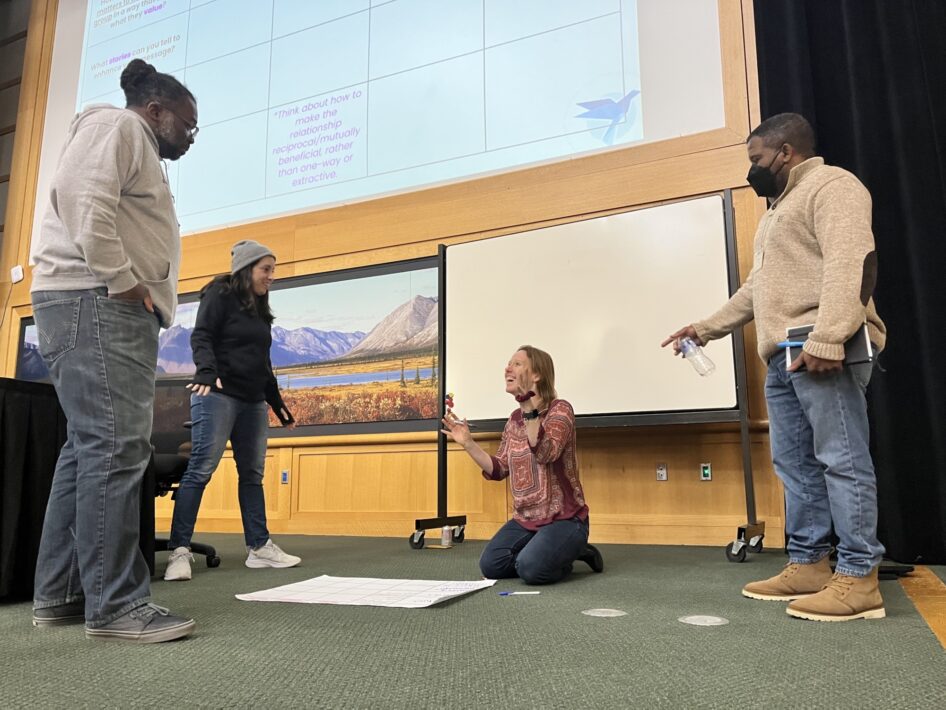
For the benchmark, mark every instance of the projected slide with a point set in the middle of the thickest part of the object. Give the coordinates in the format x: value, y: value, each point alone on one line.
x: 304, y: 104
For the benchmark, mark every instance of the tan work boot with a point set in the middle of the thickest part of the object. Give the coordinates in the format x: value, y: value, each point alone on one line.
x: 793, y: 582
x: 843, y: 599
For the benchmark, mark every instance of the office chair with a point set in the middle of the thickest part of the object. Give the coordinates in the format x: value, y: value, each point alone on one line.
x: 170, y: 452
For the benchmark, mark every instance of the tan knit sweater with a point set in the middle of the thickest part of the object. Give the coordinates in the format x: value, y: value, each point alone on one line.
x: 813, y: 263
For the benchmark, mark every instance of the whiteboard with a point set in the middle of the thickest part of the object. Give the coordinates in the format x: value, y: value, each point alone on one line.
x: 599, y: 296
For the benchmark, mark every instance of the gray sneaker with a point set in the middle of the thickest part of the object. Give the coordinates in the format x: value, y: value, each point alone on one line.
x: 148, y: 623
x: 71, y: 613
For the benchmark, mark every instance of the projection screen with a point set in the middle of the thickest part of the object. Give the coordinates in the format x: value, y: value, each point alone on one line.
x: 305, y: 105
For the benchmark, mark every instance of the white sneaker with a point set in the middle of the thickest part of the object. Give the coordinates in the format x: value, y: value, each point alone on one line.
x: 179, y: 565
x: 269, y: 555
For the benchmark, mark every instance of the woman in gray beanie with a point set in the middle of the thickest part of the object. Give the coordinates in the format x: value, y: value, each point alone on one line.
x: 231, y: 388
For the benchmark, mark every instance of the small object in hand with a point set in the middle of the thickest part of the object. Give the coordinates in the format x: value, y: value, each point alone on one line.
x: 695, y: 356
x: 525, y: 397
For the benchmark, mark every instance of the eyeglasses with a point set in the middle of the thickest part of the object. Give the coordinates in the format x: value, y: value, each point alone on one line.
x: 192, y: 130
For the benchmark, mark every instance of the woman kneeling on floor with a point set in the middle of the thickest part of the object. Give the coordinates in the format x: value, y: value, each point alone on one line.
x: 549, y: 529
x: 231, y: 388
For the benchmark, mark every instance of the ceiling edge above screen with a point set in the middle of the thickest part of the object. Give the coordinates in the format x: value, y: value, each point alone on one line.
x: 599, y: 296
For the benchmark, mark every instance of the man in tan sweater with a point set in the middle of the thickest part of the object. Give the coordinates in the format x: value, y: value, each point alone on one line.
x: 814, y: 264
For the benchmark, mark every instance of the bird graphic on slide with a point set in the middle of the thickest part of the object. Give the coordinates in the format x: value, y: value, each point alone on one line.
x: 609, y: 110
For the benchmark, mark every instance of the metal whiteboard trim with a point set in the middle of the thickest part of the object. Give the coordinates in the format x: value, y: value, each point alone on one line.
x: 600, y: 421
x: 739, y: 354
x: 442, y: 383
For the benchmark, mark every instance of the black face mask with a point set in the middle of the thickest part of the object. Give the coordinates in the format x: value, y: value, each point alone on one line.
x: 762, y: 180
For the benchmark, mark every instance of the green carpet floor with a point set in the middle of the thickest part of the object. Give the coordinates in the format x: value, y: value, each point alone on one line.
x: 483, y: 650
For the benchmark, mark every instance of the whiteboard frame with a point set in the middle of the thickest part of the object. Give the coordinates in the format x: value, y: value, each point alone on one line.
x: 738, y: 413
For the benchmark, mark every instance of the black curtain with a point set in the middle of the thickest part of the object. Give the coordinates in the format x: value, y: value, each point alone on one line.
x: 870, y: 75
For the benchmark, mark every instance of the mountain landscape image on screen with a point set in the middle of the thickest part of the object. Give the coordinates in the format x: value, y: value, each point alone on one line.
x: 333, y: 377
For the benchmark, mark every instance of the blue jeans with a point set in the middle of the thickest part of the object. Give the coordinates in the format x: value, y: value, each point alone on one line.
x: 820, y: 448
x: 216, y: 418
x: 101, y: 354
x: 541, y: 557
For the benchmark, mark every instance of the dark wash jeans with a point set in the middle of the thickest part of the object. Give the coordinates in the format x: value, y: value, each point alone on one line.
x: 216, y: 418
x: 541, y: 557
x: 101, y: 354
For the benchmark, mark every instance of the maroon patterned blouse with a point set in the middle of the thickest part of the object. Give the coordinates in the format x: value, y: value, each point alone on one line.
x: 544, y: 478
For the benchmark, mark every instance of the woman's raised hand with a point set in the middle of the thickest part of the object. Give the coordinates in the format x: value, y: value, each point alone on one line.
x: 457, y: 429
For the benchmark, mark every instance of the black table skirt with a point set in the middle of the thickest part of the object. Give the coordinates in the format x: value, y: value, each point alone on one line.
x: 32, y: 431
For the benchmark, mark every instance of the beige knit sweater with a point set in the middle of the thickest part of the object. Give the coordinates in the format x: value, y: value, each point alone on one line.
x: 813, y: 263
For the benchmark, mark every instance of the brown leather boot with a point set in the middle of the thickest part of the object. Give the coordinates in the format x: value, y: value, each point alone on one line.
x: 793, y: 582
x: 843, y: 599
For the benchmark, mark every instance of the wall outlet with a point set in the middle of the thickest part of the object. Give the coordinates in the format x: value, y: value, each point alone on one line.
x: 284, y: 477
x: 706, y: 472
x: 16, y: 274
x: 661, y: 472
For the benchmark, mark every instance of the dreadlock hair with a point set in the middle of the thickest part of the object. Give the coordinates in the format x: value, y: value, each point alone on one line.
x: 142, y: 83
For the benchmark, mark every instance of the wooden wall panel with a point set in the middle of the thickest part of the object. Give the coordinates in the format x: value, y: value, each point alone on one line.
x: 24, y: 170
x: 220, y: 500
x: 382, y: 488
x: 627, y: 502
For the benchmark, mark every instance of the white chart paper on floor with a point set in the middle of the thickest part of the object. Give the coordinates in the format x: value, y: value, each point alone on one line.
x: 368, y: 591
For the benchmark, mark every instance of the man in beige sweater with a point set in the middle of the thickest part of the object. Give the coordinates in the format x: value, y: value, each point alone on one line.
x: 814, y: 264
x: 104, y: 280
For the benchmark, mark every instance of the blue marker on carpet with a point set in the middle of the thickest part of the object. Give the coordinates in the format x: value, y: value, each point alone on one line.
x: 509, y: 594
